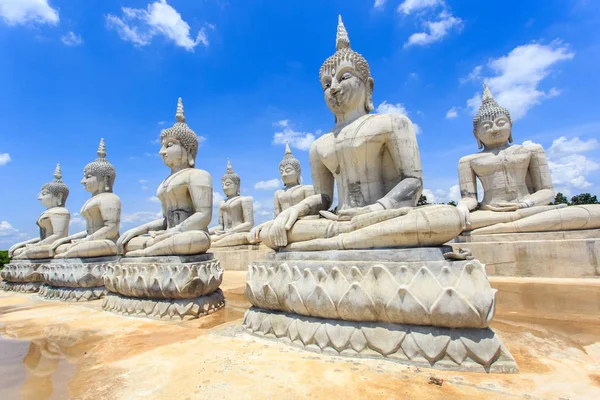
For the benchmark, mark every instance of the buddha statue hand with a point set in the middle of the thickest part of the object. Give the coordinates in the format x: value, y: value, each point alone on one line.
x: 125, y: 238
x: 501, y: 207
x: 159, y: 236
x: 255, y: 233
x: 350, y: 213
x: 465, y: 215
x: 58, y: 243
x: 281, y: 224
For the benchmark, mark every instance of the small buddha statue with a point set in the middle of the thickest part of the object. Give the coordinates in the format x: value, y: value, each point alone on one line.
x: 53, y: 223
x: 102, y: 213
x: 516, y: 182
x: 374, y: 160
x: 292, y: 193
x: 236, y: 214
x: 186, y: 200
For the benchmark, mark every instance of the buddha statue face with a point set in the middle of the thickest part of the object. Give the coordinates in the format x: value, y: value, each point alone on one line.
x: 230, y: 188
x: 344, y: 90
x: 94, y: 183
x: 49, y: 199
x: 289, y: 175
x: 172, y: 152
x: 494, y: 133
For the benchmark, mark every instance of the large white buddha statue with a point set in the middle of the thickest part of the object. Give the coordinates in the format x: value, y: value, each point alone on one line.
x: 53, y: 223
x: 236, y: 214
x: 293, y: 191
x: 517, y: 186
x: 186, y: 200
x: 102, y: 213
x: 374, y: 160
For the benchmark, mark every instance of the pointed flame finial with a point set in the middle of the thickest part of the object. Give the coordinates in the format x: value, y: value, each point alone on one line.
x: 287, y: 148
x: 342, y: 41
x: 101, y: 149
x: 229, y: 167
x: 57, y: 173
x: 179, y: 115
x: 487, y: 95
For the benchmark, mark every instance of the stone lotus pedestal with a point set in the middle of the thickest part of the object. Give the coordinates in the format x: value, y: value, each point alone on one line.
x: 75, y: 279
x: 407, y: 305
x: 164, y: 287
x: 22, y: 276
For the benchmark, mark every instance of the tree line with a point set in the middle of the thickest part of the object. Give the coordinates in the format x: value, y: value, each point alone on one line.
x: 579, y: 199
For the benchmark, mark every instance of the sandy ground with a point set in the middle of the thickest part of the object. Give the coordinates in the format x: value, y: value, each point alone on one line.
x: 56, y: 350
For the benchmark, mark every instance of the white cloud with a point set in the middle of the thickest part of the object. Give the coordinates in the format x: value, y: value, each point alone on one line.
x: 569, y: 168
x: 434, y: 30
x: 379, y: 4
x: 409, y: 6
x: 4, y: 159
x: 298, y: 140
x: 443, y: 195
x: 474, y: 75
x: 267, y: 185
x: 143, y: 181
x: 517, y: 76
x: 77, y: 221
x: 452, y: 113
x: 140, y: 217
x: 139, y: 26
x: 71, y: 39
x: 15, y: 12
x: 153, y: 199
x: 388, y: 108
x: 217, y: 198
x: 7, y: 230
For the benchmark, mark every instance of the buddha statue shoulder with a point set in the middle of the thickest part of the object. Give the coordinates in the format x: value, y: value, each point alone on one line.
x: 102, y: 214
x: 53, y: 223
x: 236, y: 214
x: 185, y: 197
x: 516, y: 181
x: 293, y: 191
x: 374, y: 161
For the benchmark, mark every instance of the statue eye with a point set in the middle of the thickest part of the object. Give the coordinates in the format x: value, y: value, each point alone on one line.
x: 347, y: 75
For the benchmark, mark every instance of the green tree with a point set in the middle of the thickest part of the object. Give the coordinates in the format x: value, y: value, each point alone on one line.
x: 422, y: 200
x: 584, y: 198
x: 452, y: 203
x: 3, y: 258
x: 560, y: 199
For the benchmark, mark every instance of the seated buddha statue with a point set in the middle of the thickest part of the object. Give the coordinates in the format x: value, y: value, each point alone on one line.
x: 236, y: 214
x: 102, y: 213
x: 517, y: 186
x: 374, y: 161
x: 186, y: 200
x: 53, y: 223
x: 292, y: 193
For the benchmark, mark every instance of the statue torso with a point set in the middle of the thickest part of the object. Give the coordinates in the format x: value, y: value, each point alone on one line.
x: 292, y: 196
x: 92, y: 213
x: 503, y: 176
x: 174, y: 195
x: 358, y: 159
x: 44, y: 221
x: 232, y: 211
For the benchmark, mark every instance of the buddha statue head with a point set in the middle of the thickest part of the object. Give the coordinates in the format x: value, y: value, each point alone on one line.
x: 179, y: 144
x: 99, y: 176
x: 55, y: 193
x: 492, y: 126
x: 230, y: 182
x: 346, y: 78
x: 289, y: 168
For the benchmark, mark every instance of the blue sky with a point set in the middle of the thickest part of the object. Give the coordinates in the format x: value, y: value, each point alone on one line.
x: 74, y: 71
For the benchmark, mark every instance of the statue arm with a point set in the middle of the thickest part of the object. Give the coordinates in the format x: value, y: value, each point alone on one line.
x: 467, y: 183
x: 22, y: 244
x: 276, y: 205
x: 201, y: 195
x: 60, y: 227
x: 220, y: 227
x: 539, y: 173
x: 110, y: 209
x: 323, y: 183
x: 248, y: 215
x: 402, y: 145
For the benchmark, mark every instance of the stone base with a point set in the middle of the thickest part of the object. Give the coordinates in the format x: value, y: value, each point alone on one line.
x: 561, y: 254
x: 478, y: 350
x: 237, y: 258
x: 166, y: 287
x: 21, y: 287
x: 76, y: 272
x: 164, y: 309
x: 72, y: 294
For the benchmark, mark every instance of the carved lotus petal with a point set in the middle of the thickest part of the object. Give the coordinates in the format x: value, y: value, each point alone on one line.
x: 487, y: 319
x: 482, y: 346
x: 148, y: 306
x: 183, y: 307
x: 356, y: 305
x: 358, y: 341
x: 138, y: 289
x: 384, y: 339
x: 354, y: 275
x: 321, y: 275
x: 432, y: 345
x: 163, y: 307
x: 446, y: 277
x: 293, y: 330
x: 306, y: 330
x: 296, y: 274
x: 457, y: 351
x: 192, y: 288
x: 280, y: 324
x: 294, y: 301
x: 306, y: 285
x: 410, y: 348
x: 249, y: 294
x: 403, y: 275
x: 454, y: 311
x: 406, y: 308
x: 172, y: 311
x: 381, y: 286
x: 138, y: 309
x: 253, y: 321
x: 171, y: 290
x: 271, y: 301
x: 182, y: 274
x: 339, y: 334
x: 474, y: 285
x: 336, y: 285
x: 319, y: 304
x: 425, y: 287
x: 279, y: 282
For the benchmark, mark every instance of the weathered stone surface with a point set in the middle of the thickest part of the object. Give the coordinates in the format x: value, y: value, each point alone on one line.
x: 73, y: 294
x: 23, y: 271
x: 164, y: 277
x: 437, y: 292
x: 76, y: 272
x: 477, y: 350
x: 22, y: 287
x: 164, y: 309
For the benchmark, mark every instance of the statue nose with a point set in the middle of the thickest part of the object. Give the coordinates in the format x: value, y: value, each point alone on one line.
x: 335, y: 89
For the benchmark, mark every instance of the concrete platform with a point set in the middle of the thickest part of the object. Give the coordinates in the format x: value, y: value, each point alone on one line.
x: 77, y: 351
x: 237, y: 258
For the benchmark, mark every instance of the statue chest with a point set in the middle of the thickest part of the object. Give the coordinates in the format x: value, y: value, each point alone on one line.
x: 45, y: 225
x: 503, y: 164
x: 352, y: 152
x: 291, y: 197
x: 232, y: 212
